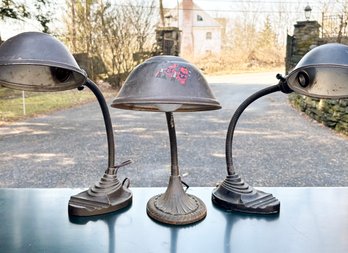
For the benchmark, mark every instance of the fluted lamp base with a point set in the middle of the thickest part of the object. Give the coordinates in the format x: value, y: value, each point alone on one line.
x: 175, y: 206
x: 233, y: 194
x: 107, y: 195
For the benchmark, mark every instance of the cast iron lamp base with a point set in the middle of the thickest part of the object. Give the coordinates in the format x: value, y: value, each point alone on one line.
x: 175, y: 206
x: 233, y: 194
x: 107, y: 195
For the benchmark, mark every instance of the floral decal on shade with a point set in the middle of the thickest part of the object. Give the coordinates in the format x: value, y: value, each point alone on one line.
x: 174, y: 73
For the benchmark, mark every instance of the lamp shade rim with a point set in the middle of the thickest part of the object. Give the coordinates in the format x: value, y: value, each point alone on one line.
x: 43, y: 63
x: 28, y: 87
x: 148, y: 104
x: 323, y: 65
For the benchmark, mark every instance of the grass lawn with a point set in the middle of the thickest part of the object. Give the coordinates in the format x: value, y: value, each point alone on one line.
x: 37, y: 103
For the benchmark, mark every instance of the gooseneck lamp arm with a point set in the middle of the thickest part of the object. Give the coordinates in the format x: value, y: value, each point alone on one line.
x: 233, y: 193
x: 234, y: 120
x: 281, y: 86
x: 108, y: 124
x: 108, y: 194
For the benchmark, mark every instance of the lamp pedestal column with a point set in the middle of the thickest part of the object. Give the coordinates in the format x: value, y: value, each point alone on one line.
x: 175, y: 206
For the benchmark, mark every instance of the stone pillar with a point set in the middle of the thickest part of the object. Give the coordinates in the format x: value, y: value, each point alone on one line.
x: 306, y: 36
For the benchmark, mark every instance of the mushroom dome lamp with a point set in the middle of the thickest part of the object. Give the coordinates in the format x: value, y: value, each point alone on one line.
x: 169, y: 84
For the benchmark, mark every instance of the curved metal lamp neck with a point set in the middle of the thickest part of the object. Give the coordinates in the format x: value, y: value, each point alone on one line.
x: 173, y: 144
x: 281, y: 86
x: 108, y: 125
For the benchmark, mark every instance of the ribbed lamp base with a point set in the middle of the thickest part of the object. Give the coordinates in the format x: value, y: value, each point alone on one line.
x: 107, y: 195
x: 233, y: 194
x: 175, y: 206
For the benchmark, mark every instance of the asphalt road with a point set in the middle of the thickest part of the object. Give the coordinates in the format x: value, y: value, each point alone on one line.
x: 274, y: 144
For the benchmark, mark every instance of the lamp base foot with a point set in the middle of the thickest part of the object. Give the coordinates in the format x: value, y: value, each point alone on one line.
x: 107, y: 195
x: 175, y: 206
x: 233, y: 194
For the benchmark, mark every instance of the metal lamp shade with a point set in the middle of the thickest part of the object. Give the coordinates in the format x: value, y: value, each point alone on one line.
x: 322, y: 72
x: 167, y: 84
x: 37, y: 61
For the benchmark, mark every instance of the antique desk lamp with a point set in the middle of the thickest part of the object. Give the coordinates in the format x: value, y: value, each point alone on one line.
x: 321, y: 73
x: 169, y: 84
x: 34, y: 61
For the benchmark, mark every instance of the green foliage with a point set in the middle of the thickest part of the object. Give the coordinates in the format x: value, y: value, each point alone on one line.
x: 10, y: 9
x: 42, y: 16
x: 19, y: 11
x: 267, y: 37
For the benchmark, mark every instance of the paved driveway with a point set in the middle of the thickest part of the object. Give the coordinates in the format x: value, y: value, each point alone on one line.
x: 274, y: 144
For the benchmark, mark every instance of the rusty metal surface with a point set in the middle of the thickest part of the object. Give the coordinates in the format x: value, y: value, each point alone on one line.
x: 166, y: 83
x: 38, y: 62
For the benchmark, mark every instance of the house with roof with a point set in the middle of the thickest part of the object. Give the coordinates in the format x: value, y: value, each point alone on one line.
x: 200, y: 33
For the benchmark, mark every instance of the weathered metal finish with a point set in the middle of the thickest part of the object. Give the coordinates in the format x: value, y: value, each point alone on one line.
x: 234, y: 193
x: 322, y: 72
x: 108, y: 194
x: 175, y: 206
x: 37, y: 61
x: 166, y: 83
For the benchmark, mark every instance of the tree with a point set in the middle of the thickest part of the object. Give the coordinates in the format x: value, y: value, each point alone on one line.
x: 19, y: 11
x: 10, y: 9
x: 111, y: 32
x: 267, y: 50
x: 267, y: 37
x: 43, y: 16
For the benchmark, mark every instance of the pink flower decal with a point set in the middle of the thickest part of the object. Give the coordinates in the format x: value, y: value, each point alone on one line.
x: 183, y: 75
x: 174, y: 73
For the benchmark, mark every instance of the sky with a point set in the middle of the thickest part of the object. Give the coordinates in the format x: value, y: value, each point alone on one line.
x: 291, y: 10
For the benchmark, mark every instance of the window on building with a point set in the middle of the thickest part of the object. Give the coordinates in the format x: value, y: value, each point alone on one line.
x: 208, y: 36
x: 199, y: 18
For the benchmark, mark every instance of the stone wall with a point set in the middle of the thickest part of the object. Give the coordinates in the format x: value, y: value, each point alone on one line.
x: 332, y: 113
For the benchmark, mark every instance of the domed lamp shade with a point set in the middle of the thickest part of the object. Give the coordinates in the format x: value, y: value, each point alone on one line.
x: 321, y: 73
x: 169, y: 84
x: 166, y: 83
x: 35, y: 61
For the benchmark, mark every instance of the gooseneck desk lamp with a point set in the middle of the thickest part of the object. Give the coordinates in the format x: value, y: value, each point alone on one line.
x: 321, y: 73
x: 169, y: 84
x: 35, y: 61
